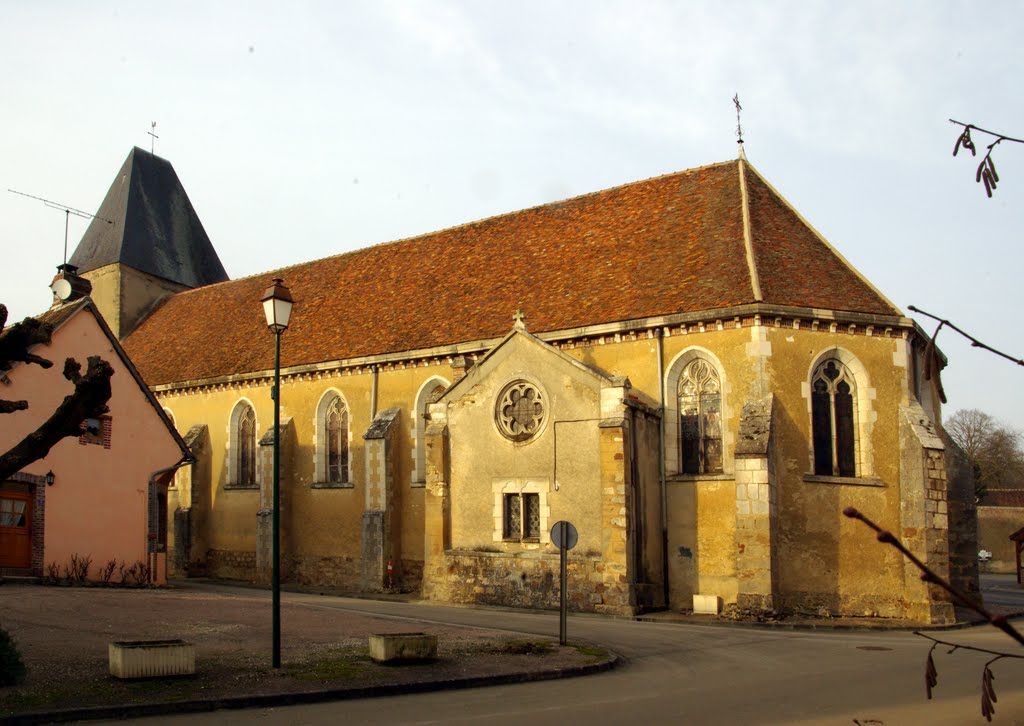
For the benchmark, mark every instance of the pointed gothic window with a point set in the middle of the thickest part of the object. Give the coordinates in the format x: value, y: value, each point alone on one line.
x: 700, y: 419
x: 336, y: 450
x: 832, y: 420
x: 246, y: 432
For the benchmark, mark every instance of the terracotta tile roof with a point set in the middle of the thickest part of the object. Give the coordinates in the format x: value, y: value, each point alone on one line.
x: 671, y: 244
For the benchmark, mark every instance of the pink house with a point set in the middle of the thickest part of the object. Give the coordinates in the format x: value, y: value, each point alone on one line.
x: 107, y: 496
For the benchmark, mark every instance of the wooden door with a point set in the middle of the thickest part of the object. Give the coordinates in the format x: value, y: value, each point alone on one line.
x: 15, y: 529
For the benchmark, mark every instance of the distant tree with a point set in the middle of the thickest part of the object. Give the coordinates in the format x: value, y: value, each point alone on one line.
x: 994, y: 449
x: 88, y: 400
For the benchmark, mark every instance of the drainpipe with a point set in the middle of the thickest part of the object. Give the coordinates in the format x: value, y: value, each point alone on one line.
x: 661, y: 464
x: 153, y: 511
x: 373, y: 394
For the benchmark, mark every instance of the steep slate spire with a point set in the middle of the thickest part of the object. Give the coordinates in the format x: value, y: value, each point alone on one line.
x: 155, y: 229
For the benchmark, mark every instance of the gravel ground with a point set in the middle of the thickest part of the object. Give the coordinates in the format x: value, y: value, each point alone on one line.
x: 63, y: 633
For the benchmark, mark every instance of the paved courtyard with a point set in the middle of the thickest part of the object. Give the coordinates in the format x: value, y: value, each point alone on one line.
x: 63, y: 633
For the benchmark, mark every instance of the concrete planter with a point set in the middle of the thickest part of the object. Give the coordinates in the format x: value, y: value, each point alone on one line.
x: 391, y: 647
x: 151, y: 658
x: 707, y: 604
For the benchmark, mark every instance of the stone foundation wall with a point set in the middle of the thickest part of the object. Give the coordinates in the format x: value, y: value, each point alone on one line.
x: 531, y: 580
x: 830, y: 604
x: 231, y: 565
x: 343, y: 572
x: 409, y: 575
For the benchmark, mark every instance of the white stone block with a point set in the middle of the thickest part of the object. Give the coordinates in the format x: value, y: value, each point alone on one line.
x: 707, y: 604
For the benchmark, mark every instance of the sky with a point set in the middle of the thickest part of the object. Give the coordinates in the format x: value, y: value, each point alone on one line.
x: 305, y: 129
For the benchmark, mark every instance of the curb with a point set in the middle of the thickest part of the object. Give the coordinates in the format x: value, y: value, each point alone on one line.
x: 822, y: 626
x: 293, y: 699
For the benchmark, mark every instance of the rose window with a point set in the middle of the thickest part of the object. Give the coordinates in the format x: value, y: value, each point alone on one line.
x: 520, y: 411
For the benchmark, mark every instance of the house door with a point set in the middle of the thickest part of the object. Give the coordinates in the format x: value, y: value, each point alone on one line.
x: 15, y: 529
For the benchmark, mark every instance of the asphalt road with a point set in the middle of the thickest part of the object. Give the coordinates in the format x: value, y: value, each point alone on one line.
x: 693, y: 674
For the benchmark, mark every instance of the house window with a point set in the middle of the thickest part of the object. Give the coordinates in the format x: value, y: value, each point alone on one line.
x: 336, y: 444
x: 12, y: 513
x: 246, y: 428
x: 833, y: 420
x: 700, y: 419
x: 521, y: 516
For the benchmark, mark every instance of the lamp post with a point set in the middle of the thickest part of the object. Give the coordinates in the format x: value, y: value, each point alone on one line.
x: 277, y: 306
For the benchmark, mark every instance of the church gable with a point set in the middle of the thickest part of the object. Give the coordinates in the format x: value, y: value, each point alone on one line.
x: 531, y: 408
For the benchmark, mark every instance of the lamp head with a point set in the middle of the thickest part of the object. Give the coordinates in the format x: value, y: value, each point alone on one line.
x: 277, y: 306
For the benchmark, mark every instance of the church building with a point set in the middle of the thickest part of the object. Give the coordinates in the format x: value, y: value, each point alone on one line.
x: 681, y: 367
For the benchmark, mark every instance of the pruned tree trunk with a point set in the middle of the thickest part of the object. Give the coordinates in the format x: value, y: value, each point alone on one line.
x: 89, y: 399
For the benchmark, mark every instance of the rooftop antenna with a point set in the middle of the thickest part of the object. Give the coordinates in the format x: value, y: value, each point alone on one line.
x: 739, y: 128
x: 68, y: 211
x: 152, y: 132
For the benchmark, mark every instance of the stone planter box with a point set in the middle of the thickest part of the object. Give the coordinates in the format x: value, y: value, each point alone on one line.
x: 151, y: 658
x: 392, y: 647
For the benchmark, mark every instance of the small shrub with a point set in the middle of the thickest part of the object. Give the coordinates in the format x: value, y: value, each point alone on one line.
x: 138, y: 572
x: 125, y: 571
x: 79, y: 568
x: 52, y: 573
x: 12, y: 668
x: 107, y: 571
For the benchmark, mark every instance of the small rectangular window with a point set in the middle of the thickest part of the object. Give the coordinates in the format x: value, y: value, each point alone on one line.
x: 96, y: 431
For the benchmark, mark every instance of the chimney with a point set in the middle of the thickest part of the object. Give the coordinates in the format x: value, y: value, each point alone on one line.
x: 68, y: 286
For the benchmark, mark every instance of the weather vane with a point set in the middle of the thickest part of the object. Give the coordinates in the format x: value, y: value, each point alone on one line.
x: 152, y: 132
x: 739, y: 129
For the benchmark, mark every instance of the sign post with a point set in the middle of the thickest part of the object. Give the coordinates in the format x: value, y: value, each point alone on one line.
x: 565, y: 537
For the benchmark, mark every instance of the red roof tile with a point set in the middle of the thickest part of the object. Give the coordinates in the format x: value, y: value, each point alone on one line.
x: 672, y: 244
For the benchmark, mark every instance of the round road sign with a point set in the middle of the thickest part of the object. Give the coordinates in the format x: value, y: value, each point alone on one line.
x: 564, y: 535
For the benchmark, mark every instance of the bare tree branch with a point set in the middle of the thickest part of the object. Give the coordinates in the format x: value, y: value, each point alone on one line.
x: 89, y: 400
x: 974, y: 341
x: 16, y: 340
x: 930, y: 576
x: 986, y: 172
x: 931, y: 676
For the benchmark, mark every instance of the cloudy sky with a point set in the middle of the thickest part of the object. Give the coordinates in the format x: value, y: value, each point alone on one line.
x: 301, y: 130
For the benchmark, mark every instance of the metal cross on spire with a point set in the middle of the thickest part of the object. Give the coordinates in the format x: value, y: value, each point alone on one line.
x: 152, y: 132
x: 739, y: 129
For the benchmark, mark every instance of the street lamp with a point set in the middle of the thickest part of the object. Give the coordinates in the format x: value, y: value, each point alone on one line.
x: 277, y: 306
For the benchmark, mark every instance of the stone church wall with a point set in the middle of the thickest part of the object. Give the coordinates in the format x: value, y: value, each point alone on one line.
x: 823, y: 562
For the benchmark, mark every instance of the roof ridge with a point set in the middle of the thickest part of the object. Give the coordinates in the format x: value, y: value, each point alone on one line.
x: 482, y: 220
x: 748, y: 243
